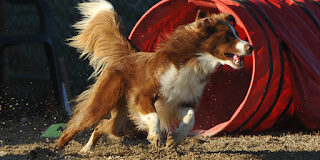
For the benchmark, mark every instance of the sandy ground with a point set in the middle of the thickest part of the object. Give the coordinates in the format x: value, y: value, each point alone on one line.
x: 22, y: 141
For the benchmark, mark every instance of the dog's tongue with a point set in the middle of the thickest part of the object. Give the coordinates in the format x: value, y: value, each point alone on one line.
x: 236, y: 59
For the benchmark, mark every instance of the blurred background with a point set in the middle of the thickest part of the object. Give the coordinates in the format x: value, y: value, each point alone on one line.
x: 26, y: 86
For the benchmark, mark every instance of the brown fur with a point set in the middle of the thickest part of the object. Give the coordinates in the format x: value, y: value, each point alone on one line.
x: 127, y: 82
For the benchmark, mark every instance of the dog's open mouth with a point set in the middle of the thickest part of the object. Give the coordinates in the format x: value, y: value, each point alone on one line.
x: 236, y: 59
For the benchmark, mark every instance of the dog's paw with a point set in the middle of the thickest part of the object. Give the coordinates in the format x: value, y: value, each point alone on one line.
x: 155, y: 140
x: 85, y: 150
x: 174, y: 139
x: 88, y: 147
x: 171, y: 142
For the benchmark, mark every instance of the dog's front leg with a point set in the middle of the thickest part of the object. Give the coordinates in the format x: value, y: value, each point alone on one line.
x: 149, y: 120
x: 153, y: 124
x: 186, y: 124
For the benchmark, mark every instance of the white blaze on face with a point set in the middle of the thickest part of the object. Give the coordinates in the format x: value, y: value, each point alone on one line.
x: 241, y: 45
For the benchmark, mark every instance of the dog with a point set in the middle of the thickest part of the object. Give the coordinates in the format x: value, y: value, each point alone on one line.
x: 149, y: 91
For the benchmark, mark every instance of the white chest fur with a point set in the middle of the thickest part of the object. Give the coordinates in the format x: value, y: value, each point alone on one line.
x: 183, y: 85
x: 187, y: 83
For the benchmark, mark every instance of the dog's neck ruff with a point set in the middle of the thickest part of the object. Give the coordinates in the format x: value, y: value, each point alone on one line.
x: 185, y: 84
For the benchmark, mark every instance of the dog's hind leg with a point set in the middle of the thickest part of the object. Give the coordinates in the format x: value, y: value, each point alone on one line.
x: 94, y: 137
x: 187, y: 121
x: 94, y: 104
x: 118, y: 125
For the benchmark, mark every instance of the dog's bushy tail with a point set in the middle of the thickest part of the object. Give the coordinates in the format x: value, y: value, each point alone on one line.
x: 100, y: 41
x: 100, y: 38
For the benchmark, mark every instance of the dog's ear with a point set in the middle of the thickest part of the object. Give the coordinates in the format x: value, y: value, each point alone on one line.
x: 204, y: 19
x: 227, y: 17
x: 200, y: 15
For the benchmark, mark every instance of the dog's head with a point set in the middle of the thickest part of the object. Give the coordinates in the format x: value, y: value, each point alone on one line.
x: 219, y: 38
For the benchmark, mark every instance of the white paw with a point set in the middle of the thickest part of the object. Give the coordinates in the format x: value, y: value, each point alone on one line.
x: 154, y: 139
x: 175, y: 138
x: 86, y: 149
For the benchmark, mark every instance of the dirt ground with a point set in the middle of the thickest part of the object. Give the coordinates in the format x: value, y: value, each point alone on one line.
x: 22, y: 141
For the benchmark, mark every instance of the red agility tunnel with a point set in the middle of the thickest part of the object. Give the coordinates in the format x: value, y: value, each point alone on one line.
x: 281, y: 81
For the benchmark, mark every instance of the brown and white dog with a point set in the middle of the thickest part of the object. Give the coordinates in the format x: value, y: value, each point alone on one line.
x: 147, y: 91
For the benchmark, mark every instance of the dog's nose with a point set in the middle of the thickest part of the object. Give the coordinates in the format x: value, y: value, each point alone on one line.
x: 249, y: 49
